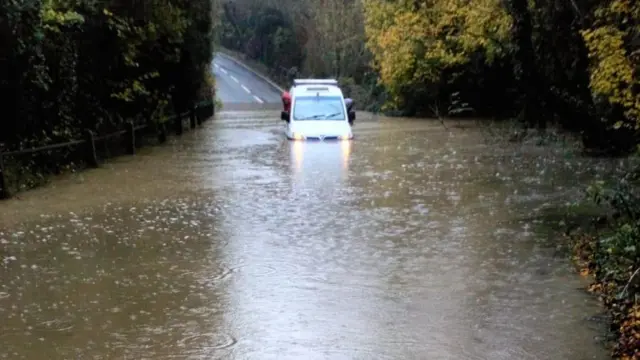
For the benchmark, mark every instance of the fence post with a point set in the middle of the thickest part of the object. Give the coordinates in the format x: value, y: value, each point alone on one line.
x: 213, y: 105
x: 4, y: 192
x: 131, y: 138
x: 162, y: 133
x: 92, y: 157
x: 178, y: 125
x: 194, y: 111
x: 192, y: 119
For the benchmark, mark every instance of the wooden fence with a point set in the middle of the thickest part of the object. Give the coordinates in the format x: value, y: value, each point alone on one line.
x: 87, y: 145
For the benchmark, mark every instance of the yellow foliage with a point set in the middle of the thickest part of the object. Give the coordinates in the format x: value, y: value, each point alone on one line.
x: 613, y: 72
x: 584, y: 272
x: 53, y: 18
x: 414, y: 41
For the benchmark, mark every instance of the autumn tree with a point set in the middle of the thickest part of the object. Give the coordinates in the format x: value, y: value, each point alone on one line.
x: 614, y: 50
x: 416, y: 45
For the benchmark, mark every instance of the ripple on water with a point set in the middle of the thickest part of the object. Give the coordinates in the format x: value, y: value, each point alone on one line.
x: 217, y: 275
x: 207, y: 341
x: 56, y: 325
x: 224, y: 273
x: 255, y: 270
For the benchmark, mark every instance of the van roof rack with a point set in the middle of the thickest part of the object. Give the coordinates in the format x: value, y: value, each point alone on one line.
x: 298, y: 82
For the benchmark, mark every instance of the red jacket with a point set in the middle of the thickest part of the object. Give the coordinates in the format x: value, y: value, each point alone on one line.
x: 286, y: 101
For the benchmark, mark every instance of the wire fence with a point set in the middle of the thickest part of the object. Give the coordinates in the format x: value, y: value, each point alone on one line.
x: 86, y: 150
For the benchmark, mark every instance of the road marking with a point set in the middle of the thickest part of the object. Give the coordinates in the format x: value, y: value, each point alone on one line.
x: 245, y: 89
x: 224, y: 71
x: 258, y: 99
x: 234, y: 79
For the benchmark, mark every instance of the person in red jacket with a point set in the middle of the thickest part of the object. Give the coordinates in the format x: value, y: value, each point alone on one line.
x: 286, y: 101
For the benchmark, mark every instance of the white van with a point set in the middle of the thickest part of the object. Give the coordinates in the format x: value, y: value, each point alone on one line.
x: 318, y: 111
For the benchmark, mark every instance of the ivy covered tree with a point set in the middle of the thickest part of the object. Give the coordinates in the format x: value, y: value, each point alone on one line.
x: 71, y: 65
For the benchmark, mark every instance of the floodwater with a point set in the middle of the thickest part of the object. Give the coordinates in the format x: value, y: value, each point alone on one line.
x: 411, y: 242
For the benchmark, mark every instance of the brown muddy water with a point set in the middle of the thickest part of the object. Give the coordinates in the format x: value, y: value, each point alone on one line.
x: 412, y: 242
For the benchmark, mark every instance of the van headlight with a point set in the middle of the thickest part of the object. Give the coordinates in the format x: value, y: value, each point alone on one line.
x: 297, y: 136
x: 346, y: 137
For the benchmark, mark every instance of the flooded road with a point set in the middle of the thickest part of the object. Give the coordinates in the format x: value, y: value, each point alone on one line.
x: 411, y: 242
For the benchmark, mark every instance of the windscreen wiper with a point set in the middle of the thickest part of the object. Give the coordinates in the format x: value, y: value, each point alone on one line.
x: 313, y: 117
x: 321, y: 116
x: 334, y: 114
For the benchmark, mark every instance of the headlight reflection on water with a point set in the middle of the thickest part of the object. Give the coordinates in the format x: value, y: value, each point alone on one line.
x: 297, y: 152
x: 320, y: 156
x: 346, y: 153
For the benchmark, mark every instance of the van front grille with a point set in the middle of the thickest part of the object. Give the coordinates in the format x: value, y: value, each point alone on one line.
x: 318, y: 138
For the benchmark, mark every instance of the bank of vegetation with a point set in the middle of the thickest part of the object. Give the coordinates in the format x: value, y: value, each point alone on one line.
x: 68, y: 66
x: 573, y: 65
x: 608, y: 251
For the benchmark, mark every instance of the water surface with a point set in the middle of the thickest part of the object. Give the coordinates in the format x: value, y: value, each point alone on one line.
x: 412, y: 242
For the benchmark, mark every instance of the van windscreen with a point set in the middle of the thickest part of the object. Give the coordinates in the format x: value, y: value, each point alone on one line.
x: 318, y: 108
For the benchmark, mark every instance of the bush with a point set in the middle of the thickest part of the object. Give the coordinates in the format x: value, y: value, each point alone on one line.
x: 611, y: 253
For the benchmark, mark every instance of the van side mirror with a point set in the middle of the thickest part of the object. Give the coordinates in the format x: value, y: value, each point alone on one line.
x: 284, y: 116
x: 352, y: 117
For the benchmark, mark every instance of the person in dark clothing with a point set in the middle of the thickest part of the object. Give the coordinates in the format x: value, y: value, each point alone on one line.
x: 349, y: 103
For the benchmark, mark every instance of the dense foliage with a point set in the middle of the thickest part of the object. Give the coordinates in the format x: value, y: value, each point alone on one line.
x: 569, y: 62
x: 71, y: 65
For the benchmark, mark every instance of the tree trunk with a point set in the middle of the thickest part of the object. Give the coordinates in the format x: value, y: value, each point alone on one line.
x: 529, y: 81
